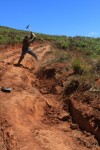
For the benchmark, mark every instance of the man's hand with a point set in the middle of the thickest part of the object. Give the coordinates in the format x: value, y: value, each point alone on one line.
x: 33, y: 34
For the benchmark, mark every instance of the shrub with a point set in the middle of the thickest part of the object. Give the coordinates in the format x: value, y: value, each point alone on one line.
x: 77, y: 66
x: 98, y: 65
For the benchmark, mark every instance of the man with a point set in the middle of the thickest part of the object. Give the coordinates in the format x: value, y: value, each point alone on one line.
x: 25, y: 48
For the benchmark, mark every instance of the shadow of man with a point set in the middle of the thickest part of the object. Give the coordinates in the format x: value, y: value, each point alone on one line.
x: 22, y: 66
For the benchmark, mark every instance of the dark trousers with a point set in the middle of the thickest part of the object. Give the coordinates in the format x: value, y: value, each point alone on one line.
x: 24, y: 52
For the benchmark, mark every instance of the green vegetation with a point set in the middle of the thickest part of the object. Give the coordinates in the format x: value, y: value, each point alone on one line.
x: 88, y: 46
x: 9, y: 36
x: 77, y: 66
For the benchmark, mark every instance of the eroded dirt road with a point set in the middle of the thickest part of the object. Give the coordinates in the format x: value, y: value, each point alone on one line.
x: 24, y: 124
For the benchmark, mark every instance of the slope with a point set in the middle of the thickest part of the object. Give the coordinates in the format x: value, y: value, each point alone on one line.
x: 29, y: 120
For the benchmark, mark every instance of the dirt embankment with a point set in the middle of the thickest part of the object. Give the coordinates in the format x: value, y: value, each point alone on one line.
x: 77, y: 98
x: 40, y: 113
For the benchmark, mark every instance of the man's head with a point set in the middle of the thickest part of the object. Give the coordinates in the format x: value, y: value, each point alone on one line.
x: 26, y: 37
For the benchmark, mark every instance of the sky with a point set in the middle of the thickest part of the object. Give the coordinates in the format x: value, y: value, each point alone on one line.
x: 53, y: 17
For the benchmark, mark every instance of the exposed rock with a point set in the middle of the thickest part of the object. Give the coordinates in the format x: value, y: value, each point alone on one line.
x: 73, y: 126
x: 64, y: 116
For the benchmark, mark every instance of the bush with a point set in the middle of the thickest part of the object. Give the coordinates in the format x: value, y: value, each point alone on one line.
x: 98, y: 65
x: 77, y: 66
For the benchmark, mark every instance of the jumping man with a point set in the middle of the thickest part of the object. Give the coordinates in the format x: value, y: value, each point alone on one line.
x: 25, y: 47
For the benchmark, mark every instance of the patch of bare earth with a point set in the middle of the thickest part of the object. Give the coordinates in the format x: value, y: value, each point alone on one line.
x: 37, y: 114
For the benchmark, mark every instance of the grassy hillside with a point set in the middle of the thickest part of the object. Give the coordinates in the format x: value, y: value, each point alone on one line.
x: 89, y: 46
x: 9, y: 36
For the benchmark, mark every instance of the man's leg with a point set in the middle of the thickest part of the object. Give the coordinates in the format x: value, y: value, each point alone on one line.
x: 31, y: 52
x: 21, y: 57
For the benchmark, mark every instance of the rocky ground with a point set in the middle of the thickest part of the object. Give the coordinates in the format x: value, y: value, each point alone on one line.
x: 42, y: 112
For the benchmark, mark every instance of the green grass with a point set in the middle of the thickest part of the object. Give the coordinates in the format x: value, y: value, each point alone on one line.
x: 77, y: 66
x: 90, y: 47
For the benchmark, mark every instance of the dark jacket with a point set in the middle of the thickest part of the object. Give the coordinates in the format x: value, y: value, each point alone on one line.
x: 26, y: 42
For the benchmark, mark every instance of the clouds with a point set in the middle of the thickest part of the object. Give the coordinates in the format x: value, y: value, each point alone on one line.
x: 93, y: 34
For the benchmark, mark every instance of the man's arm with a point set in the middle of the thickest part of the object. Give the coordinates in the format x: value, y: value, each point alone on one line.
x: 32, y: 37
